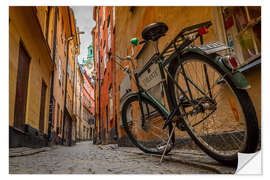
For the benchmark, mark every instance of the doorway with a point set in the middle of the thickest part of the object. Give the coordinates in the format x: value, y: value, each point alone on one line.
x: 21, y: 88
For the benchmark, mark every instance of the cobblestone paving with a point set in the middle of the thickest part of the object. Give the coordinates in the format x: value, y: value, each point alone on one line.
x: 86, y: 158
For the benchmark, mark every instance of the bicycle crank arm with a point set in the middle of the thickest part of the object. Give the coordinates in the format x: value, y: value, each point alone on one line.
x: 168, y: 120
x: 172, y: 116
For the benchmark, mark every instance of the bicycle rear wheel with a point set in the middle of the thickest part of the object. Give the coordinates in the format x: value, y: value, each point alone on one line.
x: 223, y: 122
x: 144, y: 127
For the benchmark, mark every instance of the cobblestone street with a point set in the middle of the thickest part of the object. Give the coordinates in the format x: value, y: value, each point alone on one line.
x: 86, y: 158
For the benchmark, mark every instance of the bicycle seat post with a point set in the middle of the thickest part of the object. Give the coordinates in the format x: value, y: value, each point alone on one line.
x: 156, y: 46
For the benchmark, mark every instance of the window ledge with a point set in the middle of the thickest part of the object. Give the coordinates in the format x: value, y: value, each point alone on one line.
x: 251, y: 65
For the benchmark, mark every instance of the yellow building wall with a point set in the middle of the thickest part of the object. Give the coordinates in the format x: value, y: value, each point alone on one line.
x: 59, y: 85
x: 51, y: 29
x: 42, y: 17
x: 70, y: 85
x: 24, y: 29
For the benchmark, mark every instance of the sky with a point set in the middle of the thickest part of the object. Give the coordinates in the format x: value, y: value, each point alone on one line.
x: 85, y: 22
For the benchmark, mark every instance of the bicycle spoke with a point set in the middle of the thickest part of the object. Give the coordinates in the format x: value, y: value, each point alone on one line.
x: 218, y: 123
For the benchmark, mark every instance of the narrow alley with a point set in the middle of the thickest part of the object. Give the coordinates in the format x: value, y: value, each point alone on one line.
x: 93, y: 88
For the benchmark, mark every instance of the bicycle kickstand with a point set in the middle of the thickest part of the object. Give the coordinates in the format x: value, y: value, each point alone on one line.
x: 163, y: 154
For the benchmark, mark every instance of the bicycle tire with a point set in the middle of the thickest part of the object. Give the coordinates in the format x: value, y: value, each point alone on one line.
x: 250, y: 141
x: 143, y: 143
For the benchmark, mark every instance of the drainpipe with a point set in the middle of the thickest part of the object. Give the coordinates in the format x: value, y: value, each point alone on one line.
x: 52, y: 81
x: 65, y: 100
x: 95, y: 116
x: 74, y: 95
x: 99, y: 115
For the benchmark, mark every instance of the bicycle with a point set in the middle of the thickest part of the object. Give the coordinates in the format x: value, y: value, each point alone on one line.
x: 206, y: 95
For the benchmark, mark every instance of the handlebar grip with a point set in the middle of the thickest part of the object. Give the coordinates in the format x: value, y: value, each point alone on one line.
x: 142, y: 41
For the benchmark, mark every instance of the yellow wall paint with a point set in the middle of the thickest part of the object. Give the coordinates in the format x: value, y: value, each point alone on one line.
x: 25, y: 29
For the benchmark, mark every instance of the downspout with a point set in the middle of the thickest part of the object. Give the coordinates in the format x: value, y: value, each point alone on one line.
x: 80, y: 111
x: 114, y: 80
x: 52, y: 81
x: 99, y: 116
x: 95, y: 116
x: 65, y: 99
x: 74, y: 95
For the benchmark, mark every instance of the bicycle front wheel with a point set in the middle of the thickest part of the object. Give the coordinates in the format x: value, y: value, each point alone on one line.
x: 219, y: 117
x: 143, y: 125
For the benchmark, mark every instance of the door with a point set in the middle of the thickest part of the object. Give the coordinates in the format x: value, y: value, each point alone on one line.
x: 42, y: 106
x: 68, y: 131
x: 21, y: 88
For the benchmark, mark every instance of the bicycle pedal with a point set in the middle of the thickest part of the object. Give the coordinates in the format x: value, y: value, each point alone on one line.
x: 163, y: 147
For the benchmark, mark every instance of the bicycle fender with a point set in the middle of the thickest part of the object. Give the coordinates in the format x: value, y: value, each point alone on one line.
x: 238, y: 79
x: 146, y: 96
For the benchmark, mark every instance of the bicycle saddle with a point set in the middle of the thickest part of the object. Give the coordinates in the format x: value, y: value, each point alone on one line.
x: 154, y: 31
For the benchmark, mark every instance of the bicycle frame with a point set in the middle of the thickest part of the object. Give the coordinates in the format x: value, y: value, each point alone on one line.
x: 172, y: 110
x: 162, y: 70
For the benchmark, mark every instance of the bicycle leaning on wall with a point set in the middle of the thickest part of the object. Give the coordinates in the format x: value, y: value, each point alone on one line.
x: 205, y: 92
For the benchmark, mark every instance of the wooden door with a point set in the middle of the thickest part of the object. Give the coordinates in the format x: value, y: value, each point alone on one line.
x: 42, y: 106
x: 21, y: 88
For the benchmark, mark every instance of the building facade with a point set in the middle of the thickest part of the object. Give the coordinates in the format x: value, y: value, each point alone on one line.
x: 43, y: 47
x: 103, y: 42
x: 78, y: 101
x: 30, y: 67
x: 88, y: 107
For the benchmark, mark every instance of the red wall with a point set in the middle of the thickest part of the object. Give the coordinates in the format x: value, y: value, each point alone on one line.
x: 88, y: 93
x: 108, y: 73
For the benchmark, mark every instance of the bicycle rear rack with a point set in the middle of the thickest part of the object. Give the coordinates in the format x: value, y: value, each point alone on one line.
x: 181, y: 41
x: 176, y: 45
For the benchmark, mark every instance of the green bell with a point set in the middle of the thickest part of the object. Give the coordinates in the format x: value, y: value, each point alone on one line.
x: 134, y: 41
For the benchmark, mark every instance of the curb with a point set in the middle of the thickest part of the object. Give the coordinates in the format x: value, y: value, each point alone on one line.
x: 28, y: 152
x: 192, y: 163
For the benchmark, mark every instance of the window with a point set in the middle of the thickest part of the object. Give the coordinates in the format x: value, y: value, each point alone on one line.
x: 113, y: 17
x: 62, y: 29
x: 58, y: 108
x: 105, y: 58
x: 243, y: 31
x: 61, y: 120
x: 59, y: 70
x: 111, y: 103
x: 108, y: 21
x: 104, y: 9
x: 109, y: 37
x: 63, y: 78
